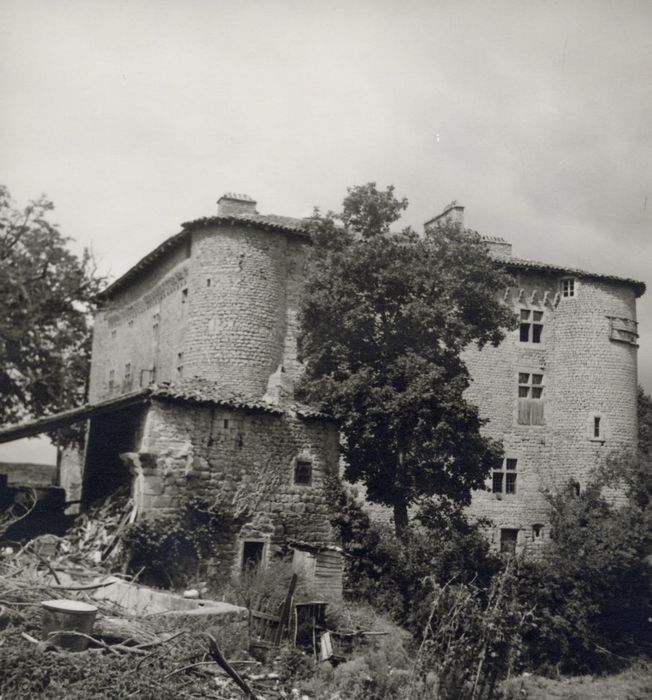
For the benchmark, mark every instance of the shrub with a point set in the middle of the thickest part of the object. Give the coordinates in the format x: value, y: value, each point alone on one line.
x: 591, y: 586
x: 170, y: 550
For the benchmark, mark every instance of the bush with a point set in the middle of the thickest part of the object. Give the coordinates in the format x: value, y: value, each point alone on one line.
x: 169, y: 550
x: 591, y: 586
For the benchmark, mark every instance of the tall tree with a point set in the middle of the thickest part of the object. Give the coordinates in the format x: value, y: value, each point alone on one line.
x: 385, y: 319
x: 46, y: 295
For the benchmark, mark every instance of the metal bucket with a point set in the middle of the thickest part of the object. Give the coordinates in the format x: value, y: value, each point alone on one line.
x: 63, y: 616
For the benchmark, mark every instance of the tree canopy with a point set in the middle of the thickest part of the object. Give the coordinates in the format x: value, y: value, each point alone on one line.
x: 384, y: 321
x: 46, y: 294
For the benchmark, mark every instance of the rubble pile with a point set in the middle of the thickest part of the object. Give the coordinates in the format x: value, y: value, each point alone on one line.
x: 95, y: 535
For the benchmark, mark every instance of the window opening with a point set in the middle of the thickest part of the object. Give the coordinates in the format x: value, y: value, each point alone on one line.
x: 252, y: 556
x: 208, y: 281
x: 530, y: 398
x: 184, y: 296
x: 180, y: 364
x: 226, y: 422
x: 504, y: 479
x: 127, y: 379
x: 156, y: 317
x: 537, y: 531
x: 596, y: 427
x: 303, y: 472
x: 577, y: 489
x: 508, y: 539
x: 531, y: 326
x: 568, y: 287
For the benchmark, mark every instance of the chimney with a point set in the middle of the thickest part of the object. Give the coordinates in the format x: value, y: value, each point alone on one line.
x: 230, y: 204
x: 498, y: 248
x: 453, y: 214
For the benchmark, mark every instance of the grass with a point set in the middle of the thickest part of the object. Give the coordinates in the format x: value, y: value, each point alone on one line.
x: 635, y: 683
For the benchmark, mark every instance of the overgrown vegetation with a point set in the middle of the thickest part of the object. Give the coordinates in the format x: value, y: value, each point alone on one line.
x: 173, y: 550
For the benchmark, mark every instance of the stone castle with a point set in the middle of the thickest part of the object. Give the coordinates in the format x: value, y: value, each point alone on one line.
x: 560, y: 391
x: 194, y: 362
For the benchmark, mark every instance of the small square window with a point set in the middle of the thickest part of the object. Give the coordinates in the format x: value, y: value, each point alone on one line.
x: 303, y: 472
x: 568, y: 287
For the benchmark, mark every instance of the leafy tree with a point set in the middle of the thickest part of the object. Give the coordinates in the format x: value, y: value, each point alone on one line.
x: 644, y: 421
x: 384, y: 321
x: 46, y: 295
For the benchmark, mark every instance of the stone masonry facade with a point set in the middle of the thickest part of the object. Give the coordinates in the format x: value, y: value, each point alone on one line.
x: 204, y: 329
x: 206, y: 326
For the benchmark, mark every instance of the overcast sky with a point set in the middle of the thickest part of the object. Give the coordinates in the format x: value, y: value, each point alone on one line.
x: 133, y: 116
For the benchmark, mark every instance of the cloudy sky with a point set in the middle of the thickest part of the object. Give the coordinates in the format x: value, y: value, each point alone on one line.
x: 135, y: 115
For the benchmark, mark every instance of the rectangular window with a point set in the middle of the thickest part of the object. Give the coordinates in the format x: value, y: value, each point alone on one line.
x: 504, y: 479
x: 530, y: 398
x: 126, y: 383
x: 508, y: 540
x: 568, y: 287
x: 531, y: 326
x: 596, y: 427
x: 303, y: 472
x: 252, y: 556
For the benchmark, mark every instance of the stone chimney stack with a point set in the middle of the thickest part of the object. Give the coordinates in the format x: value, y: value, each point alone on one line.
x: 230, y: 204
x: 453, y: 214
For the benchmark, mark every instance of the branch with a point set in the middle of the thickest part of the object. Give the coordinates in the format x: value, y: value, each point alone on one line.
x: 223, y: 663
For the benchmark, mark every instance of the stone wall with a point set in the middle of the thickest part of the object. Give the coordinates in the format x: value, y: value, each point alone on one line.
x: 586, y: 374
x: 243, y: 291
x: 223, y: 308
x: 244, y: 462
x: 143, y: 327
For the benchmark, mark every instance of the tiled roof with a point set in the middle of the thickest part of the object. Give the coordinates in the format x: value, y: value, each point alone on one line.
x: 203, y: 391
x: 268, y: 222
x: 522, y: 264
x: 265, y: 221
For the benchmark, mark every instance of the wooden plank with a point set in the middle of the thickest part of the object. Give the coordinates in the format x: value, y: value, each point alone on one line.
x: 72, y: 415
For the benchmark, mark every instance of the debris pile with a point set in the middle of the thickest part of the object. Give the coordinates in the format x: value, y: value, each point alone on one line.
x: 94, y: 539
